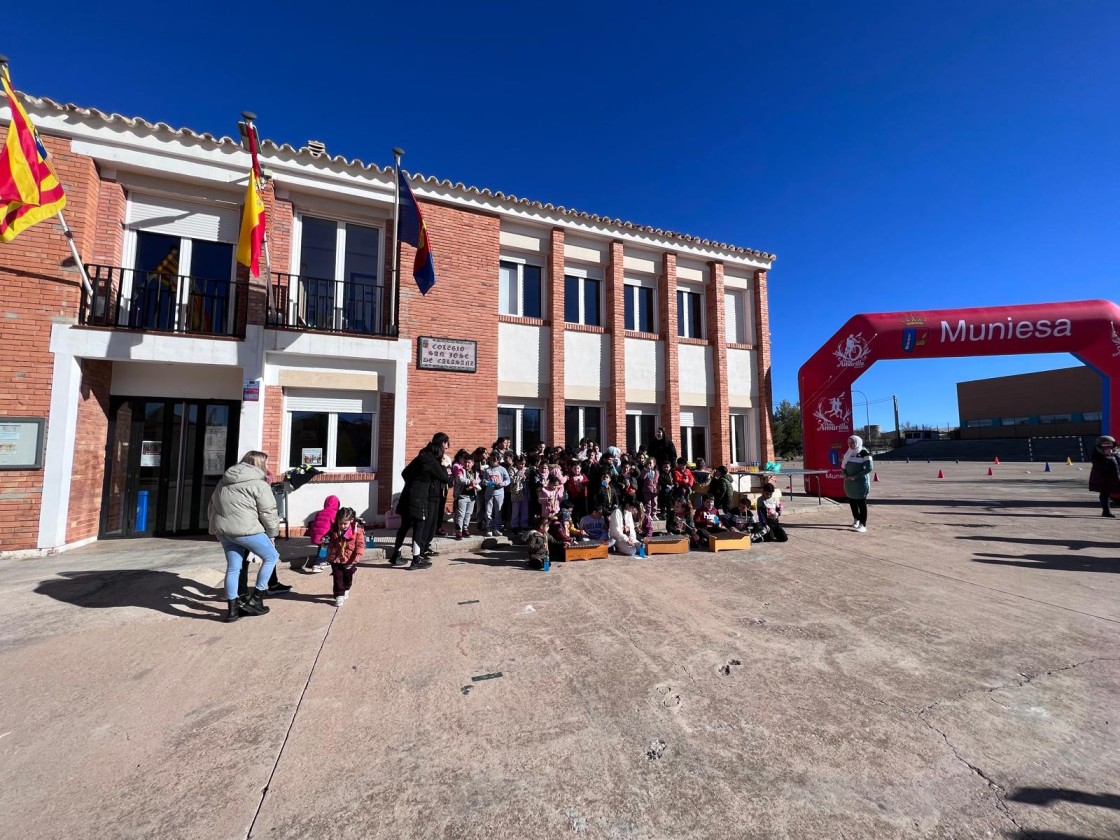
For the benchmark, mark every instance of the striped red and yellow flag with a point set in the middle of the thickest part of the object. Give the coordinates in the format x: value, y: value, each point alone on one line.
x: 252, y: 227
x: 29, y: 189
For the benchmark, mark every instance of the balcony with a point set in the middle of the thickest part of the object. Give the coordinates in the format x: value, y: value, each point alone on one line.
x: 350, y: 307
x: 150, y: 301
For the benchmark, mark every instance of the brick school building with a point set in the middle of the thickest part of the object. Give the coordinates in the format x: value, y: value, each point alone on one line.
x: 545, y: 324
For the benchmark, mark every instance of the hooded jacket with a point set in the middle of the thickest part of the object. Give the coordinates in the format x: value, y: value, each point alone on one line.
x: 243, y: 504
x: 423, y: 478
x: 857, y: 466
x: 317, y: 532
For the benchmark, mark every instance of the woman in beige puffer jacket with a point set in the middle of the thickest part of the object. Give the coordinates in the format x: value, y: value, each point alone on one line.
x: 243, y: 517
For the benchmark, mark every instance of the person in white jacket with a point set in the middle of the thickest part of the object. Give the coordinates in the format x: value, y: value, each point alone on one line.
x: 623, y: 533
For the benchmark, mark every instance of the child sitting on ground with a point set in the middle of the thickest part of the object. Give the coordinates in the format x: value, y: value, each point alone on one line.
x: 644, y: 523
x: 595, y: 525
x: 682, y: 522
x: 769, y: 511
x: 707, y: 519
x: 742, y: 519
x: 537, y: 542
x: 317, y: 533
x: 346, y: 543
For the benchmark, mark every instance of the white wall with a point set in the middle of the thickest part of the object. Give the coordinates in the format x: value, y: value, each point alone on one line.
x: 740, y: 377
x: 167, y: 379
x: 697, y: 384
x: 308, y: 500
x: 645, y: 371
x: 586, y: 373
x: 523, y: 360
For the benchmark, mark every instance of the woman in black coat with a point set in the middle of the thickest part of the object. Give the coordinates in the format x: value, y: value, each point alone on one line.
x: 661, y: 449
x: 1104, y: 477
x: 424, y: 480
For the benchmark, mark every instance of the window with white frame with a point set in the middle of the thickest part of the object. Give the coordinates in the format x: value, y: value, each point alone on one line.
x: 739, y: 443
x: 339, y: 285
x: 334, y: 430
x: 690, y: 314
x: 519, y: 288
x: 583, y: 296
x: 640, y: 427
x: 694, y: 434
x: 639, y: 306
x: 735, y: 315
x: 583, y: 421
x: 522, y: 425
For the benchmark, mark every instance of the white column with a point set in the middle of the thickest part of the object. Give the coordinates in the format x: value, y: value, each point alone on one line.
x: 400, y: 419
x: 250, y: 433
x: 62, y: 428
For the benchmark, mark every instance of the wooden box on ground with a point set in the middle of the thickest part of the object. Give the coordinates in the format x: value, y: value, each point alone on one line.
x: 667, y: 544
x: 585, y: 551
x: 729, y: 541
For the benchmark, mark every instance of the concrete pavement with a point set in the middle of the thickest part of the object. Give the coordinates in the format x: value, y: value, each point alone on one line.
x: 953, y: 673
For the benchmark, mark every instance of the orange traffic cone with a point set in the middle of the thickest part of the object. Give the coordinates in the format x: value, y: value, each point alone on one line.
x: 989, y: 470
x: 940, y: 474
x: 997, y: 459
x: 875, y: 476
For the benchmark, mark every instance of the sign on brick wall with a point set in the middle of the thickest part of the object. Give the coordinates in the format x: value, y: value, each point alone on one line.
x: 454, y: 354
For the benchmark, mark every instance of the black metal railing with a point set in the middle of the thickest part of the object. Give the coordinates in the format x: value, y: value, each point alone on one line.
x: 352, y: 307
x: 152, y: 301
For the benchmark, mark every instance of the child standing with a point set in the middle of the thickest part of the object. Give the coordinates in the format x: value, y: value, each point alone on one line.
x: 665, y: 490
x: 577, y: 491
x: 346, y: 543
x: 496, y: 482
x: 317, y: 533
x: 465, y: 481
x: 683, y: 480
x: 651, y: 479
x: 518, y: 496
x: 550, y: 497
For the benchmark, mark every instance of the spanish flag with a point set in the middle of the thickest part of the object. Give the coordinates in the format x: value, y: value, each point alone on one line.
x: 29, y: 190
x: 252, y: 226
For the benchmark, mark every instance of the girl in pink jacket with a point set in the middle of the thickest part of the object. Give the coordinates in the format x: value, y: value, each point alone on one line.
x: 317, y: 533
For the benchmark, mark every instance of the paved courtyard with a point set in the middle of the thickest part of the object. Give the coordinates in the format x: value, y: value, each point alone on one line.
x: 953, y: 673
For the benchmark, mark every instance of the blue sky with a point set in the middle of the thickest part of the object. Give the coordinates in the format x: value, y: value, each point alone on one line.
x: 895, y: 156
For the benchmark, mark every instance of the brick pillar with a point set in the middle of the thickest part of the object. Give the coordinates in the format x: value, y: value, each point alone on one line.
x: 272, y: 428
x: 554, y: 432
x: 614, y: 424
x: 762, y: 343
x: 719, y: 413
x: 667, y: 304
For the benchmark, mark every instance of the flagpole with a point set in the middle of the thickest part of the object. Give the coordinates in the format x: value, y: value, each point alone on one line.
x: 87, y: 287
x: 250, y: 136
x: 394, y: 300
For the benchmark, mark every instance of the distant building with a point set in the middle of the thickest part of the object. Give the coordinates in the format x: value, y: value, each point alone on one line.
x: 1044, y: 404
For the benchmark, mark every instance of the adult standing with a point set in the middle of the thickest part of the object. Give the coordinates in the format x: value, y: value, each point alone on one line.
x: 1104, y: 477
x: 857, y: 466
x: 424, y: 480
x: 242, y: 516
x: 661, y: 449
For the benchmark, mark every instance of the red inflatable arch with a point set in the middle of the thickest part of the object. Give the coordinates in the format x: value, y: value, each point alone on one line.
x: 1087, y: 328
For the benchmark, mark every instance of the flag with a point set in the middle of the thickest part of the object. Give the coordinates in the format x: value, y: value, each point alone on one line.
x: 29, y: 190
x: 252, y: 226
x: 415, y: 234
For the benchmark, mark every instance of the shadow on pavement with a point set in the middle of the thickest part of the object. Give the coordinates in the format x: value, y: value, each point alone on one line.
x: 1072, y: 545
x: 512, y: 556
x: 1024, y: 834
x: 992, y: 504
x: 1046, y: 796
x: 1055, y: 562
x: 164, y: 592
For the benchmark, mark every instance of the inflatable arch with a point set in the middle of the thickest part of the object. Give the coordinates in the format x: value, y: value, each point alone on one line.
x: 1088, y: 329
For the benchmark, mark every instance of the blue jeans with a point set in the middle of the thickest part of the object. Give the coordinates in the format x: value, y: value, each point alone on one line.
x: 237, y: 551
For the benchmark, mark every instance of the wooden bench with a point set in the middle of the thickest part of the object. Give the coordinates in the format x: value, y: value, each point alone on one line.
x: 667, y: 544
x: 729, y: 541
x: 585, y: 551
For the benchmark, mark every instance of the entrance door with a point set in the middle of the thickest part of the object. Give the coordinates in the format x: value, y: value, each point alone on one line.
x: 164, y: 459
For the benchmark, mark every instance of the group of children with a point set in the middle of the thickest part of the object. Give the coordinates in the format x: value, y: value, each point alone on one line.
x: 555, y: 498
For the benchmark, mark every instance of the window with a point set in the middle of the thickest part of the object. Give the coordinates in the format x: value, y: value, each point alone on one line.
x: 735, y: 316
x: 1091, y: 416
x: 639, y: 308
x: 694, y: 443
x: 582, y: 300
x: 977, y: 424
x: 739, y: 443
x: 521, y: 425
x: 582, y: 421
x: 519, y: 289
x: 1055, y: 418
x: 639, y: 430
x: 1015, y: 421
x: 689, y: 316
x: 181, y: 284
x: 331, y: 296
x: 333, y: 431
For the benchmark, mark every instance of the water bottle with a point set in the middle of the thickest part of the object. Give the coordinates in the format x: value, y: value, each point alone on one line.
x: 546, y: 564
x: 323, y: 551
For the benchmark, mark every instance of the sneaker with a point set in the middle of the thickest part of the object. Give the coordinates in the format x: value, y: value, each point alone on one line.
x: 397, y: 560
x: 345, y: 594
x: 431, y: 552
x: 420, y: 563
x: 320, y: 567
x: 458, y: 535
x: 340, y: 600
x: 279, y: 588
x: 862, y: 529
x: 855, y: 524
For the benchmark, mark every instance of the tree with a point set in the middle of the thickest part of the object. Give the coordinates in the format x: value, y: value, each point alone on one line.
x: 787, y: 429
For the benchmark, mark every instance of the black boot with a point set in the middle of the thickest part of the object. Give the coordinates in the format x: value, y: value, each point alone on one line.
x: 253, y: 605
x: 395, y: 559
x: 234, y: 610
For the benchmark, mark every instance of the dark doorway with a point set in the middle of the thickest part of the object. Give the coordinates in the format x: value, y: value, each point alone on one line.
x: 162, y: 462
